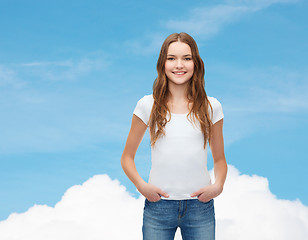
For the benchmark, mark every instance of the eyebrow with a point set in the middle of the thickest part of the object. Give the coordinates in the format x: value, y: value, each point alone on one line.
x: 175, y: 55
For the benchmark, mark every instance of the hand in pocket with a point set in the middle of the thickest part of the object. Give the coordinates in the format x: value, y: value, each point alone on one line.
x: 207, y: 193
x: 151, y: 192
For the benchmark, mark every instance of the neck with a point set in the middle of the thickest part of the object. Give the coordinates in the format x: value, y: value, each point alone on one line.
x: 177, y: 93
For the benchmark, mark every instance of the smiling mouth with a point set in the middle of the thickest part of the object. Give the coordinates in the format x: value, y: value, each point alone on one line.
x: 179, y: 73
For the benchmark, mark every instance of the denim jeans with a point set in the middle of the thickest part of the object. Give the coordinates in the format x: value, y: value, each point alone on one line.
x: 195, y: 219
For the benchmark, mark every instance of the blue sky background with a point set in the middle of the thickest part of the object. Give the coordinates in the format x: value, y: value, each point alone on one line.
x: 72, y: 72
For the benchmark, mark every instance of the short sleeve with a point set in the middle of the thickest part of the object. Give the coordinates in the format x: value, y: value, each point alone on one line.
x: 143, y: 109
x: 217, y: 110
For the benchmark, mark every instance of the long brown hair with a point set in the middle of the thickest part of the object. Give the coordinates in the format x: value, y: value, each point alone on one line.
x: 195, y: 91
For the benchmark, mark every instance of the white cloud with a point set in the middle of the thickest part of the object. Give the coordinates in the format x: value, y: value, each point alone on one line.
x: 19, y: 75
x: 102, y: 209
x: 282, y: 89
x: 258, y: 3
x: 208, y: 21
x: 44, y: 109
x: 70, y: 69
x: 8, y: 78
x: 98, y: 209
x: 204, y: 22
x: 149, y: 44
x: 36, y: 133
x: 260, y: 96
x: 248, y: 210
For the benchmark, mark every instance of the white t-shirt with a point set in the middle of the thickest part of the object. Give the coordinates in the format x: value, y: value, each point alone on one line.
x: 179, y: 161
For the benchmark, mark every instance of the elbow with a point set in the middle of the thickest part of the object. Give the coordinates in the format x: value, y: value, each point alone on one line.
x: 125, y: 160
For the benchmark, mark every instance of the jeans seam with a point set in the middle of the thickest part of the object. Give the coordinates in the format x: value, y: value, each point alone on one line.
x: 181, y: 216
x: 185, y: 208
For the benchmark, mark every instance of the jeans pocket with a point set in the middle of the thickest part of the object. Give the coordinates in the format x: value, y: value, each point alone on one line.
x: 151, y: 201
x: 208, y: 202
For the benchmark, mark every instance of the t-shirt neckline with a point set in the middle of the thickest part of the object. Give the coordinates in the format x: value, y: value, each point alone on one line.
x: 179, y: 114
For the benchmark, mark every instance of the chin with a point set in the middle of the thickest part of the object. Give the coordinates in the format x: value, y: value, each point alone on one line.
x: 176, y: 82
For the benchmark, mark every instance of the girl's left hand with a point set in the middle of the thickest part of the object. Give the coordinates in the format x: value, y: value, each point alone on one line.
x: 207, y: 193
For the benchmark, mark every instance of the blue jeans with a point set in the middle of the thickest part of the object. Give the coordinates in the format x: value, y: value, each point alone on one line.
x: 195, y: 219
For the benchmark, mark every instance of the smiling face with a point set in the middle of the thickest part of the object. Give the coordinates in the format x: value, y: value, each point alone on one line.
x: 179, y: 65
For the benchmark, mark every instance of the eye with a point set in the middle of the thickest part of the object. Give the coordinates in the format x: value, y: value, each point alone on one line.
x: 170, y: 58
x: 187, y: 58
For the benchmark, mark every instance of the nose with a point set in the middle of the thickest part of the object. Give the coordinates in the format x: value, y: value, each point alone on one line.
x: 179, y: 64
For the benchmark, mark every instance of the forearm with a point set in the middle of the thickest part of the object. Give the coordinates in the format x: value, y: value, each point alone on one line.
x: 129, y: 167
x: 220, y: 171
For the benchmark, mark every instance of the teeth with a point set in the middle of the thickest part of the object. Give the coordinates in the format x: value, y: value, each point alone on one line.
x: 179, y: 73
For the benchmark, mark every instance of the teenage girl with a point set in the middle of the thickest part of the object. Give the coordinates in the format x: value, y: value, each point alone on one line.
x: 181, y: 119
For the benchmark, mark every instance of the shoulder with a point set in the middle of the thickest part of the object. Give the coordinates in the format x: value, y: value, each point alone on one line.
x: 144, y: 107
x: 217, y: 109
x: 214, y: 102
x: 147, y: 99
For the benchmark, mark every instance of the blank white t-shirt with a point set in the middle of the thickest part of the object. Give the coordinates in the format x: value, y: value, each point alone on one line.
x: 179, y: 161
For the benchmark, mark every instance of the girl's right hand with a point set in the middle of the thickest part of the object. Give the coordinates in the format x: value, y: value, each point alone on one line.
x: 151, y: 192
